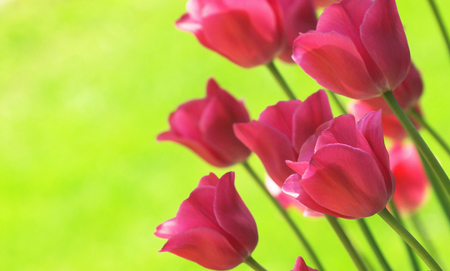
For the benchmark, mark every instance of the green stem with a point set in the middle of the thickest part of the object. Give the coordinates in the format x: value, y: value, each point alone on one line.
x: 408, y: 238
x: 373, y: 244
x: 254, y: 264
x: 441, y: 23
x: 423, y: 233
x: 411, y: 255
x: 281, y: 80
x: 438, y: 138
x: 418, y: 140
x: 286, y: 216
x: 337, y: 101
x: 346, y: 242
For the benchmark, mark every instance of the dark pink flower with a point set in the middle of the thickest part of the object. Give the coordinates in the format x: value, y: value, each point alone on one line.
x: 281, y: 130
x: 359, y: 48
x: 410, y: 178
x: 343, y: 169
x: 213, y: 227
x: 324, y: 3
x: 206, y: 127
x: 299, y: 16
x: 249, y: 33
x: 300, y: 265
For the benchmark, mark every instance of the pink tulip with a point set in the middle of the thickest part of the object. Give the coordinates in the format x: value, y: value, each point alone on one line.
x: 281, y: 131
x: 213, y: 227
x: 298, y: 16
x: 249, y: 33
x: 407, y: 95
x: 410, y: 178
x: 343, y: 169
x: 324, y: 3
x: 300, y: 265
x: 358, y: 50
x: 206, y: 127
x: 287, y: 201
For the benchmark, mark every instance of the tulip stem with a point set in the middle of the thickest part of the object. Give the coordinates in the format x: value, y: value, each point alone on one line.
x: 373, y: 244
x: 337, y: 101
x: 409, y: 239
x: 418, y: 140
x: 411, y: 255
x: 438, y: 17
x: 281, y: 80
x: 254, y: 264
x: 346, y: 242
x: 423, y: 234
x: 286, y: 216
x: 438, y: 138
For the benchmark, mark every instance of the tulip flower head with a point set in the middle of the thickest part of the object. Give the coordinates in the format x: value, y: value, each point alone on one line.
x: 343, y: 169
x: 300, y: 265
x: 213, y: 227
x: 410, y: 178
x: 281, y: 130
x: 359, y: 49
x: 206, y: 127
x: 249, y: 33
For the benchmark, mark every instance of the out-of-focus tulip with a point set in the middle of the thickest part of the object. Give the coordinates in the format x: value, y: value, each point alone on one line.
x: 343, y: 169
x: 299, y: 16
x: 249, y: 33
x: 324, y: 3
x: 281, y: 130
x: 407, y: 95
x: 410, y: 178
x: 206, y: 127
x: 213, y: 227
x: 359, y: 49
x: 287, y: 201
x: 300, y: 265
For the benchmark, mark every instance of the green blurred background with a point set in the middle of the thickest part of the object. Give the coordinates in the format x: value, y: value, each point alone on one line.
x: 85, y: 87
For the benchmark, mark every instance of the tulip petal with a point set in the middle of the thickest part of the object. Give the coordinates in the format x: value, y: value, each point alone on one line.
x: 353, y: 178
x: 383, y: 35
x: 342, y: 129
x: 280, y: 116
x: 300, y: 265
x: 314, y: 111
x: 234, y: 217
x: 335, y: 63
x: 205, y: 247
x: 271, y: 146
x: 208, y: 180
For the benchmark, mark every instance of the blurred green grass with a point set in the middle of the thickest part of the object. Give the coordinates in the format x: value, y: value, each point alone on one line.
x: 85, y: 87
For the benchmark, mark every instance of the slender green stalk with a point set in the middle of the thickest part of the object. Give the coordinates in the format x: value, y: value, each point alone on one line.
x: 337, y: 101
x: 411, y: 255
x: 286, y: 216
x: 438, y: 189
x: 254, y: 264
x: 418, y: 140
x: 373, y: 244
x: 441, y: 23
x: 436, y: 136
x: 423, y: 233
x: 408, y: 238
x: 346, y: 242
x: 281, y: 80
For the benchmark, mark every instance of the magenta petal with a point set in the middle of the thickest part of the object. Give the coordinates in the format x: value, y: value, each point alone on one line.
x: 342, y: 129
x: 335, y: 63
x: 205, y: 247
x: 353, y: 178
x: 383, y: 35
x: 233, y: 215
x: 299, y: 167
x: 314, y: 111
x: 300, y: 265
x: 208, y: 180
x: 280, y: 116
x: 272, y: 147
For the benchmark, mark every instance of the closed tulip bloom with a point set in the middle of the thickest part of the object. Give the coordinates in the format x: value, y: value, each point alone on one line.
x: 249, y: 33
x: 407, y: 95
x: 359, y: 49
x: 213, y: 227
x: 281, y: 130
x: 299, y: 16
x: 410, y: 178
x: 300, y: 265
x: 206, y: 127
x: 343, y: 169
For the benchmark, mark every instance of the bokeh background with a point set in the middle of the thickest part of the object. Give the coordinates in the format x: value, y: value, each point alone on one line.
x: 86, y: 86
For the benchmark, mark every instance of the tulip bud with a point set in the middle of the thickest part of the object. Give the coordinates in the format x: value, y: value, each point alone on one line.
x: 300, y: 265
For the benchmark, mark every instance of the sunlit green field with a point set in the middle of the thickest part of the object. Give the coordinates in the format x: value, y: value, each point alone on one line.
x: 86, y: 86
